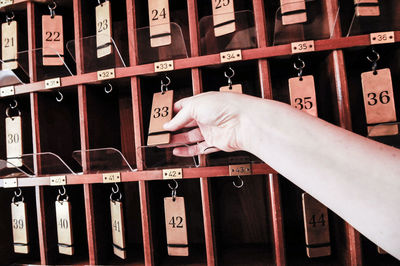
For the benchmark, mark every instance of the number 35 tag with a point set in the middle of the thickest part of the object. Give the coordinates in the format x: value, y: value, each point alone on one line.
x: 161, y: 113
x: 302, y: 94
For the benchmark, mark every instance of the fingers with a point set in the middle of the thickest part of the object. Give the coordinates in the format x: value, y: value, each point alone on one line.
x: 181, y: 119
x: 192, y: 136
x: 197, y: 149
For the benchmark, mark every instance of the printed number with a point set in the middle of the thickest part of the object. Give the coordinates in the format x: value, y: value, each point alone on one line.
x: 18, y: 223
x: 157, y: 14
x: 221, y: 3
x: 381, y: 37
x: 302, y: 46
x: 163, y: 112
x: 63, y: 223
x: 314, y: 222
x: 383, y: 98
x: 306, y: 104
x: 13, y: 138
x: 116, y: 226
x: 8, y: 42
x: 176, y: 222
x: 53, y: 36
x: 102, y: 25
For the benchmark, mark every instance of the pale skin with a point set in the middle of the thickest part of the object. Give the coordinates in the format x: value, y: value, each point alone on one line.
x: 355, y: 177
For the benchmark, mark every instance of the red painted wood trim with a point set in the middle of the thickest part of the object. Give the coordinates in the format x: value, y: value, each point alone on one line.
x: 354, y: 256
x: 277, y: 221
x: 260, y: 23
x: 78, y: 36
x: 333, y: 16
x: 132, y: 39
x: 193, y: 27
x: 146, y: 228
x: 209, y: 234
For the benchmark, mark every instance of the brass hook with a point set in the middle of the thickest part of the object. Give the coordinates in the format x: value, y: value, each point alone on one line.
x: 299, y: 67
x: 61, y: 97
x: 164, y: 86
x: 240, y: 184
x: 108, y: 90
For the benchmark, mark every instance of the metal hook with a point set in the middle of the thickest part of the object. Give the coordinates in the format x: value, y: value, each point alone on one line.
x: 65, y: 199
x: 52, y: 8
x: 9, y: 19
x: 119, y: 198
x: 116, y: 190
x: 62, y: 193
x: 109, y: 90
x: 16, y: 203
x: 61, y: 97
x: 229, y: 77
x: 299, y: 68
x: 164, y: 86
x: 98, y: 1
x: 176, y: 185
x: 374, y: 61
x: 19, y: 193
x: 8, y: 112
x: 15, y: 104
x: 240, y: 184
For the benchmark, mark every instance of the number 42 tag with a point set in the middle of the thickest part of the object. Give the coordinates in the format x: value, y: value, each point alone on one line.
x: 175, y: 223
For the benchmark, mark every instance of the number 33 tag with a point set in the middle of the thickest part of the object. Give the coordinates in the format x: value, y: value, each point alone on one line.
x: 161, y: 113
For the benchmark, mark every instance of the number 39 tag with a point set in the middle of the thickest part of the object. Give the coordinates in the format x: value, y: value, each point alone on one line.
x: 175, y: 223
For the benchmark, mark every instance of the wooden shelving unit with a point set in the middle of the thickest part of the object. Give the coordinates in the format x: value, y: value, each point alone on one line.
x: 259, y: 224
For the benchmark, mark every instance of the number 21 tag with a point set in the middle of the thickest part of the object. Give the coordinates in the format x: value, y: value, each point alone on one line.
x: 175, y: 223
x: 9, y: 45
x: 161, y: 113
x: 53, y: 40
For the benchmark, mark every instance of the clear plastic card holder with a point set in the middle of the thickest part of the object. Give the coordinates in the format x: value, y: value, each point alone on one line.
x: 387, y: 133
x: 315, y: 27
x: 50, y: 164
x: 10, y: 170
x: 55, y: 67
x: 243, y: 37
x: 103, y: 160
x: 150, y: 53
x: 161, y: 156
x: 388, y: 20
x: 19, y: 75
x: 94, y: 61
x: 9, y: 78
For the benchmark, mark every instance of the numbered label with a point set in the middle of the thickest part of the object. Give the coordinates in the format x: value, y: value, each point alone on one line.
x: 161, y: 113
x: 175, y: 223
x: 316, y: 225
x: 53, y: 40
x: 7, y: 91
x: 239, y: 169
x: 14, y: 141
x: 378, y: 96
x: 58, y: 180
x: 366, y: 8
x: 231, y: 56
x: 302, y: 47
x: 111, y: 177
x: 19, y: 227
x: 302, y: 94
x: 9, y: 45
x: 52, y: 83
x: 4, y: 3
x: 382, y: 37
x: 103, y: 29
x: 237, y: 88
x: 172, y: 173
x: 223, y: 17
x: 10, y: 182
x: 159, y: 20
x: 106, y: 74
x: 293, y: 11
x: 164, y: 66
x: 118, y: 229
x: 64, y: 228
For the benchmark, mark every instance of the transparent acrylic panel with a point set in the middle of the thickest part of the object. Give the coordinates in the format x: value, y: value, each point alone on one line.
x: 175, y: 50
x: 315, y: 28
x: 388, y: 20
x: 10, y: 170
x: 244, y: 36
x: 9, y: 78
x: 160, y: 157
x: 103, y: 160
x: 19, y: 75
x: 58, y: 67
x: 91, y: 60
x: 387, y: 133
x: 50, y: 163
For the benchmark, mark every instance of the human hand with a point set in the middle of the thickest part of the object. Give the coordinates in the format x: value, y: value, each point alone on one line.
x: 219, y: 118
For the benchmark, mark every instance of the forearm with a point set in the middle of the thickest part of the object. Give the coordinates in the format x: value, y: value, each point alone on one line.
x: 335, y: 166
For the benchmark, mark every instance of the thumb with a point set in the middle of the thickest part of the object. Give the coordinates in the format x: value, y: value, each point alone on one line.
x: 181, y: 119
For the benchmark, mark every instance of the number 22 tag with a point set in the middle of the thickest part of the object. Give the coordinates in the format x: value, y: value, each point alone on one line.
x: 53, y: 40
x: 175, y: 224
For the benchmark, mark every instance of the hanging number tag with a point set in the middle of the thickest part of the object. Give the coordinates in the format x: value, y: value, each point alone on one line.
x: 293, y: 11
x: 161, y: 112
x: 53, y: 40
x: 103, y: 29
x: 118, y: 229
x: 302, y: 94
x: 316, y: 225
x: 14, y: 141
x: 234, y: 88
x: 223, y: 17
x: 4, y: 3
x: 64, y: 228
x: 159, y: 20
x: 379, y: 101
x: 9, y: 45
x: 175, y: 223
x: 20, y: 227
x: 366, y: 8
